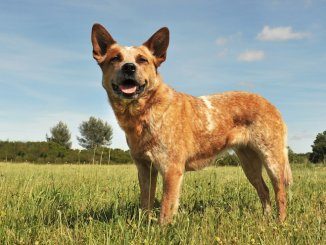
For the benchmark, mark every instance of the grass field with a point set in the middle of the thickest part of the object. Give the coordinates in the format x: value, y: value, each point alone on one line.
x: 70, y: 204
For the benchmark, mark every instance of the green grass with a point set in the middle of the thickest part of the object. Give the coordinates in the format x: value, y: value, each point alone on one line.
x: 70, y: 204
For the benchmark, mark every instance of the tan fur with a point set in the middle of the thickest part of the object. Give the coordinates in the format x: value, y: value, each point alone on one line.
x: 171, y: 132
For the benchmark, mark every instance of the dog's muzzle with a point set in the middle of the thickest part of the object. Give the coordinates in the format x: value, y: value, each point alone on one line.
x: 129, y: 88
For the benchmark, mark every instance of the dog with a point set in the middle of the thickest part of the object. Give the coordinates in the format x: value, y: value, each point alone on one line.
x: 169, y: 132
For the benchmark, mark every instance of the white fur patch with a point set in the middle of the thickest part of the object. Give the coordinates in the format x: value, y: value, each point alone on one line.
x: 128, y: 47
x: 210, y: 121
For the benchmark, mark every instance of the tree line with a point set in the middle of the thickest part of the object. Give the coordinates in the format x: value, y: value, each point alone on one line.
x: 96, y: 133
x: 51, y: 152
x: 96, y: 137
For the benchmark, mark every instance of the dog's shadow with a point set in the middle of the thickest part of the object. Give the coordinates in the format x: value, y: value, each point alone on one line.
x: 110, y: 213
x: 130, y: 211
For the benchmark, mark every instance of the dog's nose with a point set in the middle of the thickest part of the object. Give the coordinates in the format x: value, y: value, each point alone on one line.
x: 129, y: 68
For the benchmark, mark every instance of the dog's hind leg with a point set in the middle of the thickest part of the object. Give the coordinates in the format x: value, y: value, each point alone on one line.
x: 147, y: 176
x: 252, y: 167
x: 275, y: 167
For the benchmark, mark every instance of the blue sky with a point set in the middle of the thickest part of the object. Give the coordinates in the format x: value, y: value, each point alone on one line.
x: 274, y: 48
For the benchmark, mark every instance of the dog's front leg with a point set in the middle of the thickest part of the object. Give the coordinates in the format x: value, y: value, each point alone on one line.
x: 147, y: 176
x: 172, y: 179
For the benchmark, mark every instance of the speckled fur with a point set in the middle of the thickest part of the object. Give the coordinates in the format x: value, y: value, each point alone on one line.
x: 170, y: 132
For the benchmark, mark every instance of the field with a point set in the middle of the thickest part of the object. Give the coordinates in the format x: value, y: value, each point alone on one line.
x: 71, y: 204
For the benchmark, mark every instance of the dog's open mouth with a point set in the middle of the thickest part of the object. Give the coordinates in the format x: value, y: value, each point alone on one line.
x: 128, y: 88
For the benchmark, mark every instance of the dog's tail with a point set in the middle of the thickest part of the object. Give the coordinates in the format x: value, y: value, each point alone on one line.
x: 288, y: 180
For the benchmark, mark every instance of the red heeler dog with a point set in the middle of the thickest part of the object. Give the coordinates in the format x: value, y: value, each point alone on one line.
x: 170, y: 132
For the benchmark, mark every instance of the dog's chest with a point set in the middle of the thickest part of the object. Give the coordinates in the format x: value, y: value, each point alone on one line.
x: 141, y: 139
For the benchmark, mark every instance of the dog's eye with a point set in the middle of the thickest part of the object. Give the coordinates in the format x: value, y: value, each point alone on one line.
x: 115, y: 58
x: 142, y: 60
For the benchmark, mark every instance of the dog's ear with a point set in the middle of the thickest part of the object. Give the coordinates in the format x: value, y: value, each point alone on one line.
x: 101, y: 40
x: 158, y: 44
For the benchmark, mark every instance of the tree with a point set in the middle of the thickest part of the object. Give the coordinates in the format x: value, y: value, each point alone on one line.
x: 291, y: 154
x: 319, y: 148
x: 60, y: 134
x: 297, y: 157
x: 95, y: 133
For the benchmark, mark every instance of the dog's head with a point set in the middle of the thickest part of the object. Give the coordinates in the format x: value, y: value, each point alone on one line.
x: 129, y: 72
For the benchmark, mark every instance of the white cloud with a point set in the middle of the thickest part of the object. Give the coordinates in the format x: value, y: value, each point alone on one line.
x: 251, y: 55
x: 221, y: 41
x: 225, y: 44
x: 301, y: 135
x: 280, y: 34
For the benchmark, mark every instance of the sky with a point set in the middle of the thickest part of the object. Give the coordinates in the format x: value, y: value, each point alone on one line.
x: 271, y: 47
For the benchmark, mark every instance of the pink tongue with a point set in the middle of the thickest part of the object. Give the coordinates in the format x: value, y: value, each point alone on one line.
x: 128, y: 89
